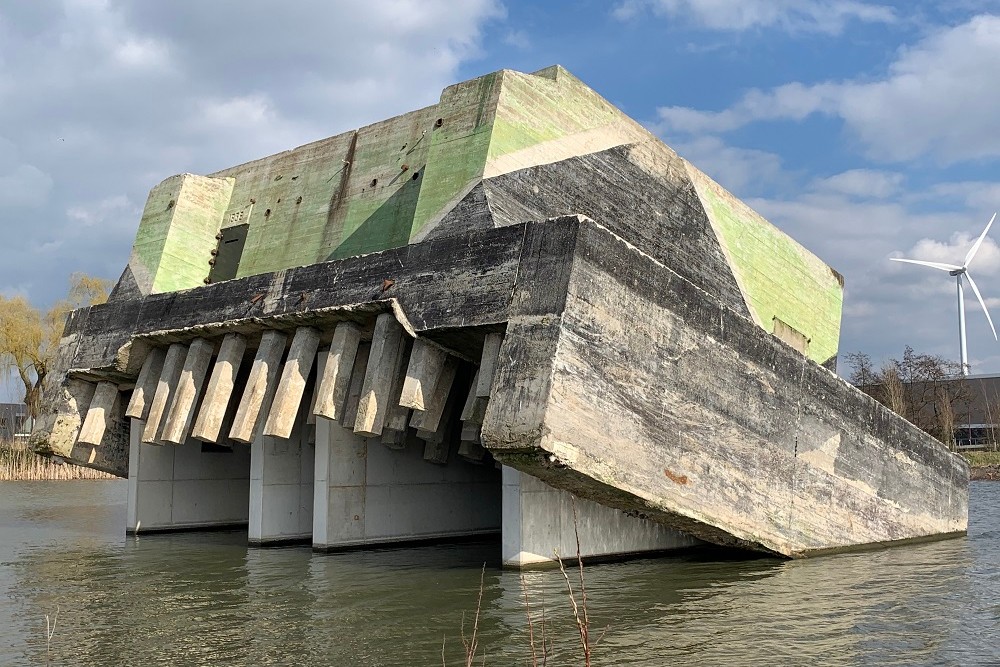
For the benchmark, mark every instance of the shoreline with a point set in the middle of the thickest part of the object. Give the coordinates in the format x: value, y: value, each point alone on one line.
x: 20, y: 464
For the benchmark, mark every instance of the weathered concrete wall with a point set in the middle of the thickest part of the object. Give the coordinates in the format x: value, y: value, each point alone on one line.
x: 698, y: 419
x: 175, y: 487
x: 541, y: 523
x: 368, y: 493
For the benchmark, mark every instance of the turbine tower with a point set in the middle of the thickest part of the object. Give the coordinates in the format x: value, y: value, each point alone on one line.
x: 959, y: 272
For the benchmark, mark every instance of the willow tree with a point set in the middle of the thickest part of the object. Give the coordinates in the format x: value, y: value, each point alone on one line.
x: 29, y: 336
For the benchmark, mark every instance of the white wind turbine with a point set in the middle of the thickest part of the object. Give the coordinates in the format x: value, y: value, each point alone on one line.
x: 958, y: 272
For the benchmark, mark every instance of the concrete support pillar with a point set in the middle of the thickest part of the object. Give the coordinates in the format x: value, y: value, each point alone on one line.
x: 369, y: 494
x: 189, y: 385
x: 539, y: 520
x: 488, y: 364
x: 260, y: 388
x: 430, y: 418
x: 212, y: 414
x: 145, y: 385
x: 335, y: 381
x: 99, y: 414
x: 358, y: 374
x: 281, y: 488
x: 422, y: 372
x: 184, y: 487
x: 292, y: 384
x: 173, y: 364
x: 383, y: 365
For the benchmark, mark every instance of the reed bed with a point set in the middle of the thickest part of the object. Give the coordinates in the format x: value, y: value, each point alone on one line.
x: 18, y: 463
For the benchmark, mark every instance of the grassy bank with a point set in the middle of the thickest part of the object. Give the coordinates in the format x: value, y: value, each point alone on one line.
x: 984, y: 465
x: 17, y: 462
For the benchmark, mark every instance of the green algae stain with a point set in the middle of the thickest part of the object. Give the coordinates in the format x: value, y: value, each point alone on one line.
x: 779, y: 277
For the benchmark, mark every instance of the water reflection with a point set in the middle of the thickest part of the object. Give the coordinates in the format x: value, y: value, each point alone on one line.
x: 205, y: 598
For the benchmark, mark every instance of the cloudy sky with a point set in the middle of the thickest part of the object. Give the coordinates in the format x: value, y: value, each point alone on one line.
x: 864, y: 129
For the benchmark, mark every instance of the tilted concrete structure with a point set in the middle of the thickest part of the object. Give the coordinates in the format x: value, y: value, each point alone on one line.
x: 519, y: 273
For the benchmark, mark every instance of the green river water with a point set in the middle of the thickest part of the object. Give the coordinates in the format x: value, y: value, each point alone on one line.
x: 206, y: 599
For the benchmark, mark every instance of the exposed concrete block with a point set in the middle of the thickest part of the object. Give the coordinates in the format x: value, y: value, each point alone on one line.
x: 393, y: 439
x: 173, y: 364
x: 488, y: 364
x: 260, y: 387
x: 334, y: 385
x: 383, y: 366
x: 99, y: 414
x: 210, y: 424
x: 292, y: 385
x: 184, y: 400
x: 357, y: 382
x: 422, y: 373
x: 431, y: 418
x: 399, y: 415
x: 473, y: 452
x: 145, y: 385
x: 475, y: 407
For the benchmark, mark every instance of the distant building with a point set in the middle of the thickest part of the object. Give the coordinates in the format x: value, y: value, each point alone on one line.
x: 14, y: 421
x: 974, y: 413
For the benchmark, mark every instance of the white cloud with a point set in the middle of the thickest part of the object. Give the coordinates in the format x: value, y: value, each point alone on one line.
x: 25, y: 186
x: 737, y: 169
x: 109, y: 98
x: 937, y: 98
x: 813, y: 16
x: 862, y: 183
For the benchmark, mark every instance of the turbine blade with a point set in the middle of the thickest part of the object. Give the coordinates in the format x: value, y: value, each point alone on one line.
x: 979, y: 242
x: 982, y: 303
x: 933, y: 265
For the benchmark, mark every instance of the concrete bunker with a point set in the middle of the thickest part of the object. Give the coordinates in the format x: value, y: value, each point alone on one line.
x: 558, y: 291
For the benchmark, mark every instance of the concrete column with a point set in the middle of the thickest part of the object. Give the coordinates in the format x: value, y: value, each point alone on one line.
x: 383, y: 365
x: 145, y: 385
x: 369, y: 494
x: 260, y: 388
x: 99, y: 414
x: 184, y: 400
x: 212, y: 414
x: 281, y: 487
x: 488, y: 364
x: 292, y: 384
x: 354, y: 387
x: 422, y: 372
x: 336, y: 377
x: 173, y: 364
x: 183, y: 487
x: 430, y: 418
x: 538, y: 520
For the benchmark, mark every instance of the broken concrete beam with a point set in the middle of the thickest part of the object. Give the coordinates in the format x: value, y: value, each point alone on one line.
x: 335, y: 382
x: 430, y: 419
x: 99, y: 414
x: 422, y: 373
x: 322, y: 354
x: 488, y: 364
x: 473, y: 452
x: 471, y: 432
x: 373, y: 404
x: 189, y: 386
x: 173, y: 364
x: 212, y: 414
x: 292, y: 384
x: 357, y: 382
x: 393, y: 439
x: 260, y: 387
x: 399, y: 416
x: 145, y: 385
x: 475, y: 407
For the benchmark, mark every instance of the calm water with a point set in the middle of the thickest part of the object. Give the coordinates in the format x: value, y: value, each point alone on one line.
x: 206, y: 599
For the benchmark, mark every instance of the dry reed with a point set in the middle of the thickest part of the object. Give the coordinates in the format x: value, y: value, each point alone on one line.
x: 18, y: 463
